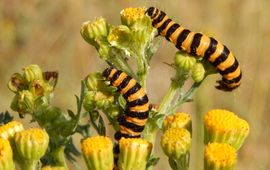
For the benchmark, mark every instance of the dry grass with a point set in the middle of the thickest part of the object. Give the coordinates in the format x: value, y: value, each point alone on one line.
x: 47, y: 33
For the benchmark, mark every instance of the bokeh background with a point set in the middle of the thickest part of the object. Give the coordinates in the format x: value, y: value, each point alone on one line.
x: 47, y: 33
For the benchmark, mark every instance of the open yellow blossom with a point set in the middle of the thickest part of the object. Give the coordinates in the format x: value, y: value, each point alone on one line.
x: 98, y: 153
x: 134, y: 153
x: 8, y: 130
x: 6, y: 162
x: 225, y: 127
x: 131, y: 15
x: 219, y: 156
x: 178, y: 120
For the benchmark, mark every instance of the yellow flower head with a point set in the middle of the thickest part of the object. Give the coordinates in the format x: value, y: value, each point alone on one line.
x: 225, y: 127
x: 220, y: 156
x: 175, y: 142
x: 131, y: 15
x: 31, y: 144
x: 178, y: 120
x: 134, y: 153
x: 6, y: 162
x: 98, y: 152
x: 8, y: 130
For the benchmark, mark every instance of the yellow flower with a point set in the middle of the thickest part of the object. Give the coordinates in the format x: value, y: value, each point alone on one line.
x: 130, y: 16
x: 225, y: 127
x: 176, y: 142
x: 6, y: 162
x: 8, y: 130
x: 219, y: 156
x: 134, y: 153
x: 98, y: 153
x: 178, y: 120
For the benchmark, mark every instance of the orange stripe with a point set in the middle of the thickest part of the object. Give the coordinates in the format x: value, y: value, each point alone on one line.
x: 142, y: 108
x: 131, y: 83
x: 234, y: 74
x: 227, y: 63
x: 120, y: 79
x: 217, y: 53
x: 204, y: 44
x: 140, y: 122
x: 187, y: 43
x: 126, y: 130
x: 138, y: 94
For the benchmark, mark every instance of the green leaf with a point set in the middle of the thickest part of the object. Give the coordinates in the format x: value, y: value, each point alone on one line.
x: 122, y: 102
x: 71, y: 114
x: 101, y: 127
x: 84, y: 130
x: 71, y: 151
x: 152, y: 161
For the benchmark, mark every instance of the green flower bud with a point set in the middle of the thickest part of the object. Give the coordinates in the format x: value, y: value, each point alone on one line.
x: 134, y: 153
x: 17, y: 83
x: 91, y: 31
x: 8, y: 130
x: 6, y: 161
x: 23, y: 102
x: 32, y: 72
x: 183, y: 61
x: 178, y: 120
x: 31, y: 145
x: 98, y: 153
x: 225, y: 127
x: 219, y: 156
x: 198, y: 72
x: 89, y: 102
x: 176, y: 142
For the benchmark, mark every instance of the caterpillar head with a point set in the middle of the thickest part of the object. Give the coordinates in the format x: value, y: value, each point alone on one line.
x: 150, y: 11
x: 107, y: 72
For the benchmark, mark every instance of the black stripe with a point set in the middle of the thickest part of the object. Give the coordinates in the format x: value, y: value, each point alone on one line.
x: 230, y: 69
x: 211, y: 48
x: 138, y: 102
x: 155, y: 14
x: 181, y: 38
x: 150, y: 11
x: 222, y: 57
x: 234, y: 80
x: 159, y: 18
x: 116, y: 76
x: 138, y: 115
x: 195, y: 43
x: 171, y: 30
x: 132, y: 90
x: 124, y: 83
x: 136, y: 128
x: 164, y: 25
x: 118, y: 135
x: 107, y: 72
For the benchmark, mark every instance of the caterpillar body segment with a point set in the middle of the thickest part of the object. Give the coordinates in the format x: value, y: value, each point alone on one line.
x: 198, y: 44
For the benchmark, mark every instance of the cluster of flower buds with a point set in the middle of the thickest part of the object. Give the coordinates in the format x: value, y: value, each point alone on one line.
x: 26, y: 147
x: 224, y: 134
x: 176, y: 139
x: 32, y: 87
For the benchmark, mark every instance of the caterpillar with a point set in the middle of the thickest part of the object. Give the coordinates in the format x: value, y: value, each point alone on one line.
x: 135, y: 116
x: 198, y: 44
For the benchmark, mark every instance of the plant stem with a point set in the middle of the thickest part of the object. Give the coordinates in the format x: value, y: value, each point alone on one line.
x: 28, y: 165
x: 59, y: 156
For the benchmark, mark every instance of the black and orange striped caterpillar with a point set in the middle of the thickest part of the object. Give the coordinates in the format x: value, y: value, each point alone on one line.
x: 136, y: 114
x: 198, y: 44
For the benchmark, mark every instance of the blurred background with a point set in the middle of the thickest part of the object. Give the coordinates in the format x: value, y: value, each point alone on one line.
x: 47, y: 33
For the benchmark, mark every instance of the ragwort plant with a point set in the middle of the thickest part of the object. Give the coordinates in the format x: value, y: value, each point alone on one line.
x: 134, y: 40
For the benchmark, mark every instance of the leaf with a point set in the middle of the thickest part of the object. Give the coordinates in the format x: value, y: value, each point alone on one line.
x: 71, y: 114
x: 122, y: 101
x: 84, y: 130
x: 152, y: 161
x: 101, y: 127
x: 71, y: 151
x: 5, y: 117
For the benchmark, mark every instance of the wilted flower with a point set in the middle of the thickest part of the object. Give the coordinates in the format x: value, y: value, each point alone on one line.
x: 134, y: 153
x: 98, y: 153
x: 31, y: 145
x: 225, y: 127
x: 17, y: 82
x: 176, y: 142
x: 6, y: 161
x: 178, y: 120
x: 219, y: 156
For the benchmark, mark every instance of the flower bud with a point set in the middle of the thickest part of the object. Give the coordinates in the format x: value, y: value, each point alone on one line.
x: 225, y: 127
x: 6, y: 161
x: 183, y: 61
x: 219, y: 156
x: 134, y: 153
x: 176, y: 142
x: 98, y: 153
x: 31, y: 144
x: 17, y: 83
x: 91, y: 31
x: 8, y: 130
x: 178, y: 120
x: 32, y: 72
x: 89, y: 103
x: 198, y: 72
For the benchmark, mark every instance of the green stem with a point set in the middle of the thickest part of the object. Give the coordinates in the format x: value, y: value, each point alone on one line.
x: 58, y: 156
x: 142, y: 69
x: 28, y: 165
